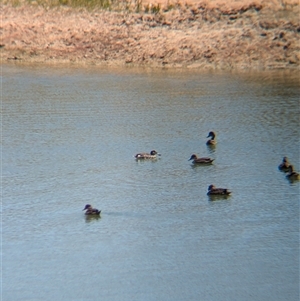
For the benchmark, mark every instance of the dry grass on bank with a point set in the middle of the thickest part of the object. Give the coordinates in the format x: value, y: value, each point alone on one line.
x: 153, y: 6
x: 204, y: 34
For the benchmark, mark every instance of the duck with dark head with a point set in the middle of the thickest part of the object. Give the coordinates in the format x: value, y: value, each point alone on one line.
x: 203, y: 160
x: 211, y: 141
x: 152, y: 155
x: 213, y: 190
x: 285, y: 164
x: 89, y: 210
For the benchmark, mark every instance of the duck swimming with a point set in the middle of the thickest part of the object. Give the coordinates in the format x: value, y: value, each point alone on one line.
x: 292, y: 175
x: 212, y: 190
x: 204, y: 160
x: 153, y: 155
x: 91, y: 211
x: 211, y: 141
x: 284, y: 166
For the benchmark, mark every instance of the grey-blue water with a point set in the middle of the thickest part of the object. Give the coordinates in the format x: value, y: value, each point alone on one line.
x: 68, y: 139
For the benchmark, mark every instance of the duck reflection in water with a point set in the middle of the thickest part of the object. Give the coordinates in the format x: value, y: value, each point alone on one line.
x: 91, y: 218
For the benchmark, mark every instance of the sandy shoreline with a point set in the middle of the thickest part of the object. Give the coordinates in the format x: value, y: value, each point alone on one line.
x: 239, y: 35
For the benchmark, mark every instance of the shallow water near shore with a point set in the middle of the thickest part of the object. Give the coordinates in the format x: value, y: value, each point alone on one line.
x: 68, y: 139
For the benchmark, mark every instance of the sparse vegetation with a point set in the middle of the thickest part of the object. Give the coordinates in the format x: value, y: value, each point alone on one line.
x: 70, y: 3
x: 114, y: 5
x: 148, y: 6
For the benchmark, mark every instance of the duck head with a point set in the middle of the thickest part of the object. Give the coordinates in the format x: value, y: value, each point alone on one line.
x: 193, y: 157
x: 212, y: 135
x: 154, y: 152
x: 87, y: 206
x: 285, y: 159
x: 211, y: 187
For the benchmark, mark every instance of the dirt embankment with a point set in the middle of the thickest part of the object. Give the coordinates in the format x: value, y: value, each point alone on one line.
x: 202, y: 34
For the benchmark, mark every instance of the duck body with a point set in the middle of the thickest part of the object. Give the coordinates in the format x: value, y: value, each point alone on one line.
x: 284, y: 166
x: 203, y: 160
x: 292, y: 175
x: 212, y: 140
x: 152, y: 155
x: 89, y: 210
x: 212, y: 190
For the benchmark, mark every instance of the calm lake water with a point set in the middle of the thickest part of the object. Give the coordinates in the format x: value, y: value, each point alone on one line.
x: 68, y: 139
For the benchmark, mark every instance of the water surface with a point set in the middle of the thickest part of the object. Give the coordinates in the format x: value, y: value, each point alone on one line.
x: 68, y: 138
